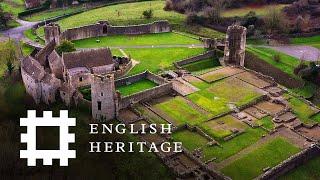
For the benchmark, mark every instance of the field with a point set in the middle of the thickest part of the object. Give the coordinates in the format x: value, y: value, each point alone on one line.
x: 183, y: 113
x: 286, y: 64
x: 233, y: 146
x: 136, y: 40
x: 268, y: 155
x: 45, y: 15
x: 308, y: 171
x: 131, y: 13
x: 14, y: 7
x: 311, y: 41
x: 266, y: 122
x: 159, y: 59
x: 259, y: 10
x: 222, y: 127
x: 302, y: 110
x: 202, y: 66
x: 190, y: 140
x: 32, y: 36
x: 136, y: 87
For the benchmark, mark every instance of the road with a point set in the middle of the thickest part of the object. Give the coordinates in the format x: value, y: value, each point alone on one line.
x: 307, y: 53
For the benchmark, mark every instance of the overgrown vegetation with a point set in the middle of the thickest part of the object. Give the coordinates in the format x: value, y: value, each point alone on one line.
x: 65, y: 46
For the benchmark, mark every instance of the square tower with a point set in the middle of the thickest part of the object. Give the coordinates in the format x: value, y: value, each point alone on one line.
x: 103, y: 97
x: 235, y: 45
x: 52, y: 31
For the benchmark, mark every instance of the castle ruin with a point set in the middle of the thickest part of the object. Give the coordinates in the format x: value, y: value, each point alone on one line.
x: 235, y: 45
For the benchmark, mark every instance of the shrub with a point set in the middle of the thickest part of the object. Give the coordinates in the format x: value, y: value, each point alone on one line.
x: 148, y: 14
x: 276, y: 57
x: 65, y: 46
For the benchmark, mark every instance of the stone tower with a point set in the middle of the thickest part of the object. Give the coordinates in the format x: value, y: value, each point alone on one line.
x: 235, y: 45
x: 103, y: 97
x: 52, y: 31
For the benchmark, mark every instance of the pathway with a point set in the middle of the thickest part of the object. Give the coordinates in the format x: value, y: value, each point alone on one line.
x: 17, y: 33
x: 307, y: 53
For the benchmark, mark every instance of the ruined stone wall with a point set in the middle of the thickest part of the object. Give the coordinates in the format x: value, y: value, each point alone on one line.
x: 235, y: 44
x: 52, y: 32
x: 33, y: 87
x: 155, y: 27
x: 123, y: 70
x: 193, y: 59
x: 43, y: 54
x: 83, y: 32
x: 291, y: 163
x: 103, y: 69
x: 145, y: 95
x: 104, y: 99
x: 55, y: 64
x: 256, y: 64
x: 79, y: 79
x: 48, y: 92
x: 155, y: 78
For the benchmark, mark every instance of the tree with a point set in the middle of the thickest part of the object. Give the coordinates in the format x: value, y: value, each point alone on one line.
x: 65, y: 46
x: 4, y: 18
x: 10, y: 67
x: 148, y: 14
x: 275, y: 21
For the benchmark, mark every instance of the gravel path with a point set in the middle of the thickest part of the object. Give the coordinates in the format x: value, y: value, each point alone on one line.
x: 307, y: 53
x: 17, y: 33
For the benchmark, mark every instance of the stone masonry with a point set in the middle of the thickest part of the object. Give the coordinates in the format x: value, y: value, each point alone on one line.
x: 235, y: 45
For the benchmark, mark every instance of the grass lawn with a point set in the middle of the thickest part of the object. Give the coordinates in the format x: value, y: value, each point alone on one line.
x: 268, y: 155
x: 233, y: 146
x: 266, y: 122
x: 32, y: 36
x: 287, y: 63
x: 150, y: 115
x: 44, y: 15
x: 307, y: 91
x: 259, y: 10
x: 181, y: 112
x: 26, y: 49
x: 157, y: 59
x: 13, y: 7
x: 302, y: 110
x: 136, y: 87
x: 209, y: 102
x: 308, y: 171
x: 235, y: 91
x: 202, y: 65
x: 311, y: 41
x: 136, y: 40
x: 222, y: 127
x: 190, y: 140
x: 131, y: 13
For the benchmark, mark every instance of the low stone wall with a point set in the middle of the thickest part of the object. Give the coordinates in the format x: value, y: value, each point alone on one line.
x: 130, y: 79
x: 291, y: 163
x: 145, y: 95
x: 123, y: 70
x: 83, y: 32
x: 256, y: 64
x: 156, y: 79
x: 193, y: 59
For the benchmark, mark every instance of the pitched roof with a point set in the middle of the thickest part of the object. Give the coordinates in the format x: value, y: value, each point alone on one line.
x: 88, y: 58
x: 33, y: 68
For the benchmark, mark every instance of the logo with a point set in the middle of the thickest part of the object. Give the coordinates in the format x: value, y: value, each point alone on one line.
x: 63, y: 122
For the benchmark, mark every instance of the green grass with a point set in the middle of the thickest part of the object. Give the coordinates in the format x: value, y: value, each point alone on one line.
x: 202, y: 65
x: 311, y: 41
x: 26, y: 49
x: 287, y: 63
x: 131, y: 13
x: 32, y: 36
x: 149, y: 115
x: 316, y: 117
x: 233, y: 146
x: 302, y: 110
x: 190, y: 140
x: 44, y: 15
x: 221, y: 127
x: 266, y: 122
x: 260, y: 10
x: 209, y: 102
x: 181, y: 112
x: 308, y: 171
x: 307, y: 91
x: 136, y: 40
x: 136, y: 87
x: 268, y: 155
x: 159, y: 59
x: 235, y: 91
x: 13, y: 7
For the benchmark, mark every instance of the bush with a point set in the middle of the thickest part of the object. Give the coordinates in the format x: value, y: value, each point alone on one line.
x: 27, y: 12
x: 65, y: 46
x: 276, y: 57
x: 148, y: 14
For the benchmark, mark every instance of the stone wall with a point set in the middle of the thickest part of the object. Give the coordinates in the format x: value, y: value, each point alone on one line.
x: 43, y: 54
x: 145, y: 95
x: 193, y: 59
x: 83, y: 32
x: 256, y: 64
x: 33, y: 87
x: 55, y: 63
x: 129, y: 80
x: 291, y: 163
x: 123, y: 70
x: 155, y: 27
